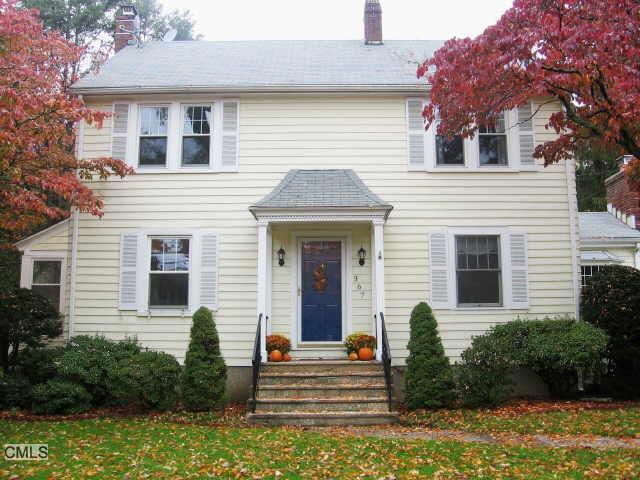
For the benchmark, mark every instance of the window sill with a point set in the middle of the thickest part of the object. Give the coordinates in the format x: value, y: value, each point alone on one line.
x: 486, y: 309
x: 168, y: 312
x: 145, y: 170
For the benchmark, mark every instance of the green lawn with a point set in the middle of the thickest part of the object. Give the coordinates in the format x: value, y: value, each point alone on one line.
x: 616, y: 422
x: 157, y: 448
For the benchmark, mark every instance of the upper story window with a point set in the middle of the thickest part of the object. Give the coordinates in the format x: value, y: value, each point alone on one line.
x: 199, y: 136
x: 492, y: 142
x: 508, y: 145
x: 169, y: 272
x: 153, y: 136
x: 47, y: 280
x: 196, y: 135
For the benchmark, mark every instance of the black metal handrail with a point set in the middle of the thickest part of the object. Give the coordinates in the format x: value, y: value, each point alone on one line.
x: 256, y: 362
x: 386, y: 361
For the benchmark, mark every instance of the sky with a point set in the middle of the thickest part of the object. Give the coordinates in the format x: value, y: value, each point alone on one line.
x: 338, y: 19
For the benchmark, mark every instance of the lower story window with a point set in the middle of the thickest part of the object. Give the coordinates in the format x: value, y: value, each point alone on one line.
x: 169, y: 272
x: 587, y: 271
x: 478, y: 270
x: 47, y: 280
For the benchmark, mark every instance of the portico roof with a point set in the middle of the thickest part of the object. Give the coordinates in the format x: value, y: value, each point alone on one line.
x: 321, y: 190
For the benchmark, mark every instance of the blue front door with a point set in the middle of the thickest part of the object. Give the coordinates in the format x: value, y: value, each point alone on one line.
x: 321, y: 291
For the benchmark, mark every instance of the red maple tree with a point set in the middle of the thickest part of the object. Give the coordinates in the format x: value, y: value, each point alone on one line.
x: 40, y: 176
x: 584, y: 54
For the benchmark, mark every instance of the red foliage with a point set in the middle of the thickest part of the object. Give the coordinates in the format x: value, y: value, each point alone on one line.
x: 581, y: 53
x: 41, y: 177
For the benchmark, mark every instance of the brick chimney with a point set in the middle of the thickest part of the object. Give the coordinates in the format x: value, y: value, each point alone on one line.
x: 621, y: 200
x: 372, y: 23
x: 126, y: 23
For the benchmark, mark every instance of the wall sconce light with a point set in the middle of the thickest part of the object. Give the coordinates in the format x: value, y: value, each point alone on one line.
x: 362, y: 254
x: 281, y: 253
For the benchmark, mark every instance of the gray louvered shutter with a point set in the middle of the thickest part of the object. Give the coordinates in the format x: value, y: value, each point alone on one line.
x: 416, y: 133
x: 438, y: 260
x: 230, y: 112
x: 519, y: 273
x: 526, y: 136
x: 128, y: 271
x: 119, y: 130
x: 209, y: 271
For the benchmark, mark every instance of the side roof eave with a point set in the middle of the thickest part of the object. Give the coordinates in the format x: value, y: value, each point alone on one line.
x: 25, y: 243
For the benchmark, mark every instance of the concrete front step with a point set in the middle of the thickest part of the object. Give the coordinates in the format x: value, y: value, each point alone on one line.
x: 323, y: 418
x: 317, y: 367
x: 321, y: 379
x: 319, y: 405
x: 348, y: 391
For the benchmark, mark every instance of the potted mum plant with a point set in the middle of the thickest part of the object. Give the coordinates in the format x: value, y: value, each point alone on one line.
x: 360, y: 346
x: 278, y: 348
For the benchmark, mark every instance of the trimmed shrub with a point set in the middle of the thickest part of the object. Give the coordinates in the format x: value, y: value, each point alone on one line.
x: 38, y: 365
x: 611, y: 301
x: 278, y: 342
x: 89, y: 361
x: 555, y: 349
x: 60, y: 396
x: 148, y: 380
x: 15, y: 391
x: 205, y: 373
x: 429, y: 379
x: 26, y: 318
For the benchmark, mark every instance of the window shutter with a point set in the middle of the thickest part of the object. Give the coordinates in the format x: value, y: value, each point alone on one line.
x: 525, y: 135
x: 438, y: 257
x: 128, y: 271
x: 230, y: 122
x: 209, y: 271
x: 519, y: 274
x: 119, y: 130
x: 416, y: 133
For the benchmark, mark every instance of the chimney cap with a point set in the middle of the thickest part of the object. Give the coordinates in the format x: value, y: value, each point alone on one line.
x: 129, y: 10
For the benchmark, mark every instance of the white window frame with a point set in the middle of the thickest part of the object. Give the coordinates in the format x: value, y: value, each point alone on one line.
x: 150, y: 272
x: 175, y: 129
x: 508, y: 142
x: 591, y: 266
x: 211, y: 135
x: 471, y: 148
x: 500, y: 271
x: 505, y: 261
x: 138, y: 135
x: 26, y: 273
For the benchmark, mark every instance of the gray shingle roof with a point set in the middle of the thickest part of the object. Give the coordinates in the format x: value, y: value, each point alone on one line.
x: 604, y: 226
x: 261, y: 64
x: 321, y: 189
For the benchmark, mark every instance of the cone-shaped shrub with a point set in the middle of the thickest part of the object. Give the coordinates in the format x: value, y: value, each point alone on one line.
x: 205, y: 373
x: 429, y: 379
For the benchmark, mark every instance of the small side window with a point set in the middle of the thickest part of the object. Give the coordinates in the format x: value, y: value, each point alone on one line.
x: 47, y: 280
x: 153, y: 136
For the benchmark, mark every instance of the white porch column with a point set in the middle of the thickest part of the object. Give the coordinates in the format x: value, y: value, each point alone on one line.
x: 264, y: 232
x: 378, y: 271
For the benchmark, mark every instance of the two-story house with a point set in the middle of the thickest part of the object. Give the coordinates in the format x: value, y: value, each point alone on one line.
x: 295, y: 181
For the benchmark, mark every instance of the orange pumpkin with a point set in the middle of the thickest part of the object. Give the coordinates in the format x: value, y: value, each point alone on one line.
x: 365, y: 354
x: 353, y: 356
x: 286, y: 357
x: 275, y: 356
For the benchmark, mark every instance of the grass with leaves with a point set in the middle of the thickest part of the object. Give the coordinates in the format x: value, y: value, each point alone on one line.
x: 157, y: 447
x: 526, y: 417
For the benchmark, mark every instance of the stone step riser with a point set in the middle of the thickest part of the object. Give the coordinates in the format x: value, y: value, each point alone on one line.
x: 348, y: 369
x: 320, y: 381
x: 322, y: 393
x: 322, y: 420
x: 293, y: 407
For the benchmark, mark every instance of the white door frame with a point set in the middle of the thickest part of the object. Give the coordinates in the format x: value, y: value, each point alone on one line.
x: 296, y: 282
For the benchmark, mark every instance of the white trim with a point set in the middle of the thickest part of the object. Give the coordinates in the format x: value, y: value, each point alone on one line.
x: 26, y: 270
x: 264, y: 231
x: 572, y: 198
x: 378, y: 293
x: 73, y: 273
x: 297, y: 237
x: 320, y: 215
x: 637, y: 256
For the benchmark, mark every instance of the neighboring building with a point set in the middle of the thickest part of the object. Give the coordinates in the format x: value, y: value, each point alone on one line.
x: 612, y: 237
x: 294, y: 179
